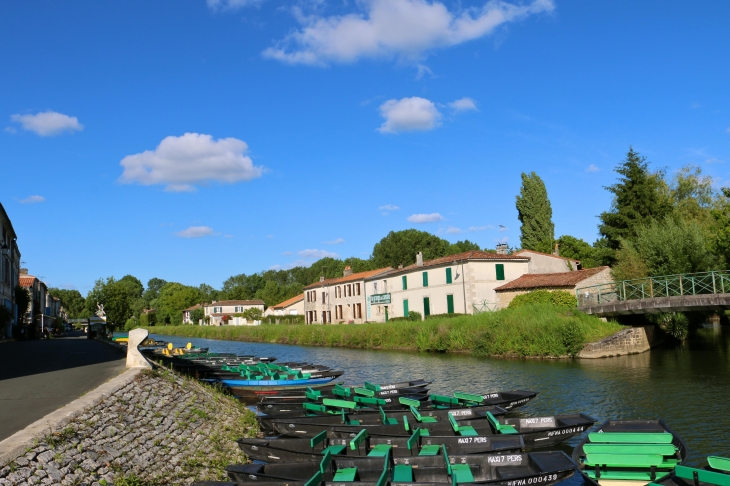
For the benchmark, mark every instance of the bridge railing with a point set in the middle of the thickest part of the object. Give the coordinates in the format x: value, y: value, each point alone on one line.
x: 715, y: 282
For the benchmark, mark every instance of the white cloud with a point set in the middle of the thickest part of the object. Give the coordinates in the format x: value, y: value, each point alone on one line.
x: 195, y: 232
x: 423, y: 70
x: 425, y: 218
x: 405, y: 29
x: 409, y: 114
x: 389, y: 207
x: 727, y: 129
x: 481, y: 228
x: 337, y: 241
x: 714, y: 160
x: 288, y: 253
x: 10, y: 130
x: 33, y: 200
x: 317, y: 254
x: 181, y: 162
x: 592, y: 168
x: 275, y: 267
x: 451, y: 230
x: 232, y: 4
x: 48, y: 123
x: 463, y: 104
x: 503, y: 228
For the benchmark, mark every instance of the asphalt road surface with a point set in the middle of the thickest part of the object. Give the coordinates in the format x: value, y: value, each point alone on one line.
x: 38, y: 377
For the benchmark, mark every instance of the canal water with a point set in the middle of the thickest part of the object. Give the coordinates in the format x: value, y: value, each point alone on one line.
x: 687, y: 385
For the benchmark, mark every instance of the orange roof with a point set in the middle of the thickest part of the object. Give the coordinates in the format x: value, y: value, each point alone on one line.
x: 349, y: 278
x: 196, y: 306
x: 289, y: 302
x: 235, y: 302
x: 27, y: 280
x: 546, y: 254
x: 531, y: 281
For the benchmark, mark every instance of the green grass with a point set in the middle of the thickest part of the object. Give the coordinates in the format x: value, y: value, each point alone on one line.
x: 525, y: 331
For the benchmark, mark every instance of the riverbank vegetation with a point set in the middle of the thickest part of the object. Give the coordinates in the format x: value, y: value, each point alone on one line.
x: 527, y: 331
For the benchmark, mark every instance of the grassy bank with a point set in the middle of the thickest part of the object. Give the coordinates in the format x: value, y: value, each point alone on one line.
x: 529, y: 331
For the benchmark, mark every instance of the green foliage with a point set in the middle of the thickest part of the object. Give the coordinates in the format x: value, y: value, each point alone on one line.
x: 536, y: 215
x: 117, y: 296
x: 572, y: 247
x: 692, y: 194
x: 71, y: 300
x: 172, y: 299
x: 673, y: 323
x: 557, y: 298
x: 413, y: 316
x: 461, y: 247
x: 131, y: 323
x: 400, y: 248
x: 196, y: 315
x: 253, y: 314
x: 639, y: 197
x: 144, y: 320
x: 720, y: 229
x: 22, y: 300
x: 286, y: 319
x: 667, y: 247
x: 536, y: 330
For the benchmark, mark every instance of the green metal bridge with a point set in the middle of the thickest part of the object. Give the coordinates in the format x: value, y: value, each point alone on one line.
x: 668, y: 293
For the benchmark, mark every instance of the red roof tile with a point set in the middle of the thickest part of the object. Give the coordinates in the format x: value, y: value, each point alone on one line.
x: 288, y: 302
x: 27, y: 280
x: 543, y: 280
x: 235, y: 302
x: 467, y: 255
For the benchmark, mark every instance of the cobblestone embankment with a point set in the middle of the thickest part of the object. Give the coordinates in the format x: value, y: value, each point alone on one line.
x: 160, y: 429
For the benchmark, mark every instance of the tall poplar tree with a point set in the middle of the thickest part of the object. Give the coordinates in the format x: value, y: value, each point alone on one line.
x: 535, y: 214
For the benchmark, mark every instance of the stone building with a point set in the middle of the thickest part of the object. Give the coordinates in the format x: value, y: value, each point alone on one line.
x: 290, y: 307
x: 9, y: 270
x: 549, y: 263
x: 187, y: 319
x: 224, y: 312
x: 567, y: 281
x: 40, y: 309
x: 341, y: 299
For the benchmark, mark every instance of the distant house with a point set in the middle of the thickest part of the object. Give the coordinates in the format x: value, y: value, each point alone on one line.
x: 548, y: 263
x: 187, y: 312
x: 40, y: 308
x: 223, y: 313
x: 290, y: 307
x: 9, y: 270
x: 568, y: 281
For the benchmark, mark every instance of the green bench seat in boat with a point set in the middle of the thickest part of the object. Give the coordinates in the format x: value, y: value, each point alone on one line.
x: 409, y: 402
x: 500, y: 428
x: 369, y: 400
x: 462, y: 473
x: 387, y: 420
x: 444, y: 400
x: 365, y: 392
x: 629, y: 460
x: 380, y: 450
x: 314, y: 407
x: 315, y: 480
x: 621, y: 475
x: 661, y: 449
x: 468, y: 397
x: 403, y: 473
x: 430, y: 450
x: 630, y: 437
x: 711, y: 477
x: 719, y: 463
x: 344, y: 404
x: 334, y: 449
x: 358, y: 439
x: 425, y: 420
x: 346, y: 474
x: 465, y: 430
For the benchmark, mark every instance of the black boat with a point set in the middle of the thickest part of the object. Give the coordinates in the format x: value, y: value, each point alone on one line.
x: 629, y: 452
x: 381, y: 390
x: 359, y: 444
x: 717, y: 473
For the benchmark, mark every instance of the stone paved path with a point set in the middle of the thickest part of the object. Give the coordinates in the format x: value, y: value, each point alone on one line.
x: 38, y: 377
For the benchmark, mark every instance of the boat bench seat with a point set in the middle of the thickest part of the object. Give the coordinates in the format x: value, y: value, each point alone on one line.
x: 631, y: 437
x: 462, y: 473
x: 403, y: 473
x: 430, y: 450
x: 380, y: 450
x: 621, y: 475
x: 346, y: 474
x: 500, y: 428
x: 719, y: 463
x: 334, y: 449
x: 661, y: 449
x: 629, y: 460
x: 464, y: 430
x: 710, y: 477
x: 422, y: 419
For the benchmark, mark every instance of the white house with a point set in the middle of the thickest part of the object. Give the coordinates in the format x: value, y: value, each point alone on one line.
x: 187, y: 313
x: 290, y: 307
x: 549, y: 263
x: 228, y: 312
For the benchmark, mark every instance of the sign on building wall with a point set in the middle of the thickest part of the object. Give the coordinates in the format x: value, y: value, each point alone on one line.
x: 380, y: 299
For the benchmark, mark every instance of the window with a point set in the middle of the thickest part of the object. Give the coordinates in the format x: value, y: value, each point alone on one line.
x: 385, y: 286
x: 426, y: 307
x: 500, y: 271
x: 405, y: 307
x: 425, y: 279
x: 357, y: 287
x: 450, y: 304
x: 315, y: 316
x: 404, y: 278
x: 448, y: 275
x: 329, y: 316
x: 323, y: 297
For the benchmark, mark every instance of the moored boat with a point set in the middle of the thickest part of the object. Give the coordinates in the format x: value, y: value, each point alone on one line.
x: 717, y: 473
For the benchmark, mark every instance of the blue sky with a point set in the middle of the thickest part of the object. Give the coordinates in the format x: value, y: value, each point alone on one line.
x: 194, y: 140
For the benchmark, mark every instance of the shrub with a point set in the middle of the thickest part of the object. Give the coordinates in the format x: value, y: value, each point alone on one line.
x: 558, y: 298
x: 675, y: 324
x: 444, y: 316
x: 131, y: 323
x: 298, y: 319
x: 413, y: 316
x: 144, y: 320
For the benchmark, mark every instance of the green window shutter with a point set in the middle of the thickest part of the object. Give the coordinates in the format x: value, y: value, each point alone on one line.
x: 425, y: 279
x: 426, y: 306
x: 450, y: 304
x: 405, y: 307
x: 500, y: 271
x: 448, y: 275
x: 405, y: 283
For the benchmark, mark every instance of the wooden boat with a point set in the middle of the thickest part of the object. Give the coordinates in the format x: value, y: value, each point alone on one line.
x: 717, y: 473
x: 380, y: 391
x: 379, y: 468
x: 360, y: 444
x: 277, y: 384
x: 629, y: 453
x: 535, y: 431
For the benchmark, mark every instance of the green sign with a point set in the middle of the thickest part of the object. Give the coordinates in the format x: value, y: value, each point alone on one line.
x: 380, y: 299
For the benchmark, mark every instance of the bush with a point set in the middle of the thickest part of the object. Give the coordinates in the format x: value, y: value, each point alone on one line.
x: 287, y: 319
x: 558, y: 298
x: 675, y: 324
x: 444, y: 316
x: 413, y: 316
x: 131, y: 324
x: 144, y: 320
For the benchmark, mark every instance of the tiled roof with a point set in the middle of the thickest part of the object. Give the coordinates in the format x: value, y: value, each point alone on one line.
x: 542, y: 280
x: 27, y: 280
x: 289, y: 302
x: 349, y: 278
x: 196, y: 306
x: 235, y: 302
x: 546, y: 254
x: 467, y: 255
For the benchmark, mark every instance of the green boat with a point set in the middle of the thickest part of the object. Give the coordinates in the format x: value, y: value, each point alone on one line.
x: 717, y: 473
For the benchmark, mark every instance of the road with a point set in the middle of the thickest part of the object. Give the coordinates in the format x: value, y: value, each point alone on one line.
x: 38, y: 377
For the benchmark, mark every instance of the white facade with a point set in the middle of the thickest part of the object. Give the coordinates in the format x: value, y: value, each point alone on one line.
x: 290, y: 307
x: 546, y: 263
x: 224, y: 312
x: 9, y: 270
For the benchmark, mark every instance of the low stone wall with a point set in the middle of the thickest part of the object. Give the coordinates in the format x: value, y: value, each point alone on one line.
x: 633, y: 340
x: 159, y: 429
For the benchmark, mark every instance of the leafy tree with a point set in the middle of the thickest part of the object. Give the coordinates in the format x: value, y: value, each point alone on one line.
x: 253, y: 314
x: 461, y: 247
x: 71, y: 300
x: 131, y: 323
x: 208, y: 293
x: 572, y: 247
x: 639, y: 197
x: 172, y: 300
x: 197, y: 315
x: 154, y: 285
x: 400, y: 248
x: 22, y: 300
x: 720, y: 231
x: 558, y: 298
x: 536, y: 215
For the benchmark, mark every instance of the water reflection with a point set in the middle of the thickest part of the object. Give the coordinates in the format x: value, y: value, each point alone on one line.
x: 686, y: 385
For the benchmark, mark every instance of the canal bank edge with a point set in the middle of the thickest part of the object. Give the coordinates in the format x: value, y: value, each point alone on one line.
x: 633, y: 340
x: 157, y: 426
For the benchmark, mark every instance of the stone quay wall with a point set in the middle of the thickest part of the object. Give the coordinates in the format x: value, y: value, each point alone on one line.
x: 162, y: 428
x: 633, y: 340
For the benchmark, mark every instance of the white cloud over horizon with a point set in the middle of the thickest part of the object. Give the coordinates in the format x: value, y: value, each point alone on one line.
x: 33, y: 200
x: 409, y: 114
x: 232, y: 4
x: 389, y: 207
x: 480, y: 228
x: 47, y: 123
x: 592, y: 168
x: 179, y: 163
x: 337, y: 241
x: 195, y: 232
x: 386, y: 29
x: 452, y: 230
x: 317, y: 254
x: 464, y: 104
x: 425, y: 218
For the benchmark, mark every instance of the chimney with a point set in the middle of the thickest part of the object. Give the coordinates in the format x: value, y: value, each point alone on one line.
x: 556, y: 252
x: 501, y: 248
x: 347, y: 271
x: 321, y: 279
x: 24, y: 271
x: 400, y: 266
x: 419, y: 259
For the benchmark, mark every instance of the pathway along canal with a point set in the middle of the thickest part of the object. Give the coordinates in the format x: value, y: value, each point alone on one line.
x: 688, y: 385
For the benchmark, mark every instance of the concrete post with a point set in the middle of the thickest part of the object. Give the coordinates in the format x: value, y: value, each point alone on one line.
x: 134, y: 357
